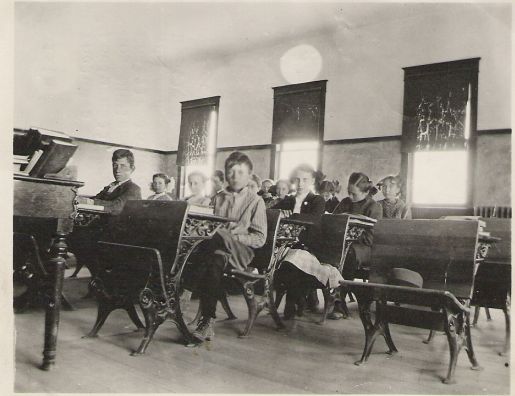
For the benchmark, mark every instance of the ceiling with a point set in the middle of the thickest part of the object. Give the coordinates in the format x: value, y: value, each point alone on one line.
x: 174, y: 32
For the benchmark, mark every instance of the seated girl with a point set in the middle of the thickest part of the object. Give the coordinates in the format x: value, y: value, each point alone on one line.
x: 393, y: 206
x: 231, y: 247
x: 359, y: 202
x: 281, y: 191
x: 160, y: 184
x: 304, y: 270
x: 299, y: 268
x: 197, y: 182
x: 327, y: 191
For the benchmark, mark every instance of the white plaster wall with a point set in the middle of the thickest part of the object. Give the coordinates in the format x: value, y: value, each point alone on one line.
x: 117, y: 72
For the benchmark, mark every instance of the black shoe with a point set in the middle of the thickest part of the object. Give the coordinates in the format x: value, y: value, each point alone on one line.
x: 205, y: 330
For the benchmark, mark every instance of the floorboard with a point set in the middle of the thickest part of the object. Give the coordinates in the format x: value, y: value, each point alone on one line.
x: 308, y: 358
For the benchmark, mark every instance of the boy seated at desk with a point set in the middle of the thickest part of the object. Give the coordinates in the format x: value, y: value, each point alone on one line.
x: 123, y: 189
x: 112, y: 198
x: 231, y: 247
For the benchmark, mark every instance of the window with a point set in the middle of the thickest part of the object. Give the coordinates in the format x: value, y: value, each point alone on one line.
x: 292, y: 154
x: 440, y: 177
x: 439, y: 132
x: 197, y: 141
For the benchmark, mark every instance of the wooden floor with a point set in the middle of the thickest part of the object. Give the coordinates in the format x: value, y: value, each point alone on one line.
x: 306, y: 359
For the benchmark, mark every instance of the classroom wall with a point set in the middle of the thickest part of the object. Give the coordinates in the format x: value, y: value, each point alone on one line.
x: 124, y: 83
x: 376, y: 158
x: 493, y: 171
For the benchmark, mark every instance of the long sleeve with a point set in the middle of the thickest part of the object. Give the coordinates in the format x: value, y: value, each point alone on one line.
x: 257, y: 231
x: 115, y: 206
x: 375, y: 211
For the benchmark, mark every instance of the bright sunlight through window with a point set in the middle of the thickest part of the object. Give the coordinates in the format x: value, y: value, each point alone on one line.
x: 440, y: 177
x: 292, y: 154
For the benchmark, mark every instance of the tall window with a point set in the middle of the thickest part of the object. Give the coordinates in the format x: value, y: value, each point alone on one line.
x: 291, y: 154
x: 197, y: 141
x: 439, y: 132
x: 298, y: 125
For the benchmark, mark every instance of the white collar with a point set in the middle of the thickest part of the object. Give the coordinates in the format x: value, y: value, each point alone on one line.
x: 115, y: 183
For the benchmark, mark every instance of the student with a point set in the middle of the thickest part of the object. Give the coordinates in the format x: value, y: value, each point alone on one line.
x: 113, y: 198
x: 122, y: 189
x: 393, y: 206
x: 254, y: 183
x: 265, y: 191
x: 360, y: 202
x: 197, y: 181
x: 159, y: 185
x: 299, y: 268
x: 281, y: 191
x: 327, y: 191
x: 231, y: 247
x: 218, y: 181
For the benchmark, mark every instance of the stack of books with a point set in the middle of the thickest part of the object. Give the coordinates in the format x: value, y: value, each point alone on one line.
x: 40, y: 152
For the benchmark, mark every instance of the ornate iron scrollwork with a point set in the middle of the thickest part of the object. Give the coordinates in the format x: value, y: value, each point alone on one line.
x: 482, y: 250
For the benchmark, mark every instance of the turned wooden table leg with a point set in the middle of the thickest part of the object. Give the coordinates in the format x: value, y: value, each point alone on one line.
x: 55, y: 268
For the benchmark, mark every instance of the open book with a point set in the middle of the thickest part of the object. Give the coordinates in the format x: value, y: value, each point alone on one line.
x: 201, y: 209
x: 90, y: 208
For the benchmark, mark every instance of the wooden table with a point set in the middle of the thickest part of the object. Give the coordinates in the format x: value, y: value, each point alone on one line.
x: 48, y: 199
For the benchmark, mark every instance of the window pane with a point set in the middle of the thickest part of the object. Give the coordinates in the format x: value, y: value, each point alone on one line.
x: 296, y: 153
x: 440, y: 177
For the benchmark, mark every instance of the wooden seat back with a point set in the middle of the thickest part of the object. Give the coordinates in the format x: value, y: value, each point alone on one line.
x: 492, y: 283
x: 332, y: 243
x: 151, y: 224
x: 501, y: 250
x: 443, y: 252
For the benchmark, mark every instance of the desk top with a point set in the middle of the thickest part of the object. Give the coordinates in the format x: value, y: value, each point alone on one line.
x: 61, y: 182
x: 212, y: 217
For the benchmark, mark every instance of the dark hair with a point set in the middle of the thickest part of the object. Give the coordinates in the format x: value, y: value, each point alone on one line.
x: 162, y: 176
x: 237, y: 158
x: 362, y: 181
x: 220, y: 174
x: 124, y: 153
x: 326, y: 186
x: 197, y: 173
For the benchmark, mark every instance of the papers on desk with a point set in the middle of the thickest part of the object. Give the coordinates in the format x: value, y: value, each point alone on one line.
x: 90, y: 208
x: 201, y: 209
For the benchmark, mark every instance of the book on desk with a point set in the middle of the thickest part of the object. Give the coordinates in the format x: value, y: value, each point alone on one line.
x: 40, y: 152
x: 91, y: 208
x: 199, y: 209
